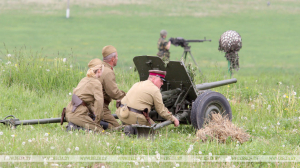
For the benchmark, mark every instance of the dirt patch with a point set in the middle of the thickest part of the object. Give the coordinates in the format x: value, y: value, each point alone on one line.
x: 221, y: 129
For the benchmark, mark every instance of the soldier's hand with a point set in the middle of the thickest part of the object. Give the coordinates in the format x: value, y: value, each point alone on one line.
x: 176, y: 122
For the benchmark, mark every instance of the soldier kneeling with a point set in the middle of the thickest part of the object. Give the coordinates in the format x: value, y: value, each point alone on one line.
x: 87, y: 99
x: 141, y: 98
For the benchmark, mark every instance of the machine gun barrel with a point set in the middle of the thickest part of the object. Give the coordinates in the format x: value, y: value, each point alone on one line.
x: 204, y: 86
x: 197, y: 40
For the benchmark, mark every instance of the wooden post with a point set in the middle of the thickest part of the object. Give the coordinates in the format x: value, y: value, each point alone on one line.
x: 68, y: 9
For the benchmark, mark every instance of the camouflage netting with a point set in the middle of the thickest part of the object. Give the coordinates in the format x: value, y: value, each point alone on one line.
x: 231, y: 42
x: 221, y: 129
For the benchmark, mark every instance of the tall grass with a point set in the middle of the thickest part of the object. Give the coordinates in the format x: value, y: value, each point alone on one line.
x: 268, y: 111
x: 38, y: 72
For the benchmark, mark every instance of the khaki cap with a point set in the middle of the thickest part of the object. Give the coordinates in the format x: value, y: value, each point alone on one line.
x: 95, y: 62
x: 108, y: 50
x: 161, y: 74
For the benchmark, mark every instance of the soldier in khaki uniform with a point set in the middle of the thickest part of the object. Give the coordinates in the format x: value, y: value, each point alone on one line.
x: 142, y: 97
x: 108, y: 81
x: 163, y: 47
x: 88, y: 93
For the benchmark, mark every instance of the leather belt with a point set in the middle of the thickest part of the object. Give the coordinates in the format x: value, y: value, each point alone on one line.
x: 106, y: 102
x: 133, y: 110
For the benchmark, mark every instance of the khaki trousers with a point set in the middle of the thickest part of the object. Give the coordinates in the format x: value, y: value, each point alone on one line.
x: 129, y: 117
x: 108, y: 117
x: 80, y: 117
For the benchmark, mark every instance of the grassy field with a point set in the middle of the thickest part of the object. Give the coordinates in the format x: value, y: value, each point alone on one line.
x: 36, y: 82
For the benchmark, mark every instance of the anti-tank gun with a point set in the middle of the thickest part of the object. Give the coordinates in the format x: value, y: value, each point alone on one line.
x: 190, y: 103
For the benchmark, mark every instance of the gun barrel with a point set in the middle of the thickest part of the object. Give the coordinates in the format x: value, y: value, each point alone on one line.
x: 38, y: 121
x: 204, y: 86
x: 197, y: 40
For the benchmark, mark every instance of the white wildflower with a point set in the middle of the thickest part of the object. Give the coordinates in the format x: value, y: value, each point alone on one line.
x: 71, y: 132
x: 264, y: 152
x: 77, y: 148
x: 65, y: 59
x: 256, y: 81
x: 103, y: 166
x: 130, y: 67
x: 228, y: 159
x: 283, y: 145
x: 33, y: 139
x: 118, y: 147
x: 252, y: 106
x: 209, y: 154
x: 294, y: 93
x: 68, y: 150
x: 6, y: 158
x: 31, y: 127
x: 157, y: 151
x: 8, y: 55
x: 284, y: 96
x: 46, y: 134
x: 52, y: 147
x: 71, y: 66
x: 260, y: 93
x: 136, y: 163
x: 47, y: 70
x: 107, y: 144
x: 158, y: 156
x: 237, y: 145
x: 278, y: 123
x: 177, y: 165
x: 23, y: 143
x: 29, y: 140
x: 70, y: 93
x: 69, y: 165
x: 269, y: 107
x: 189, y: 135
x: 1, y: 133
x: 279, y: 83
x: 55, y: 164
x: 200, y: 152
x: 253, y: 130
x: 13, y: 135
x: 8, y: 63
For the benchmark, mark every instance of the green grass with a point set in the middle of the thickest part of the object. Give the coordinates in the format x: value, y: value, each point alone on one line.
x: 36, y: 84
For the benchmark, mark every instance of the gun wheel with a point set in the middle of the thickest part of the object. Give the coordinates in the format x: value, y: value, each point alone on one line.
x: 207, y: 104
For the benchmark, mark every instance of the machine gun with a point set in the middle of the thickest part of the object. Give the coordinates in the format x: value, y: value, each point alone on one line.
x: 179, y: 41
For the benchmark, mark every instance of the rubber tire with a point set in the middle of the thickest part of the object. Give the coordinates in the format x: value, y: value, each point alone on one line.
x: 212, y: 102
x: 194, y: 111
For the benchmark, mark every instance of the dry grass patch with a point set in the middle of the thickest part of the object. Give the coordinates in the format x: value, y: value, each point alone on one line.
x: 221, y: 129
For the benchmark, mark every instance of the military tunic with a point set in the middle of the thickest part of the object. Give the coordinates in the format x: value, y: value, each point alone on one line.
x: 142, y: 95
x: 163, y: 52
x: 89, y: 90
x: 110, y: 91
